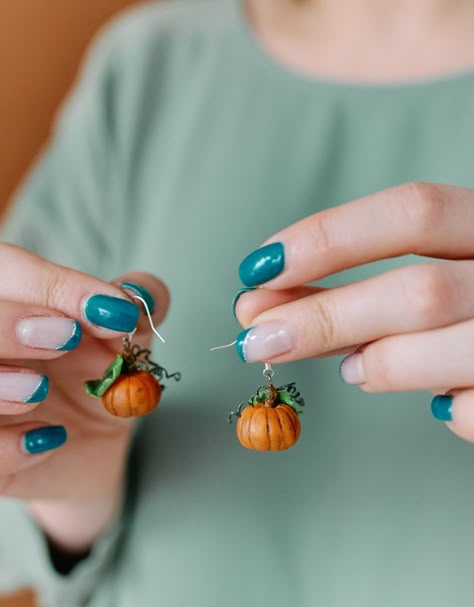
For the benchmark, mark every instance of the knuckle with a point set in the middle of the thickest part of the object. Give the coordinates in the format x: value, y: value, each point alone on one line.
x: 424, y: 207
x: 430, y: 294
x: 325, y: 325
x: 50, y: 290
x: 378, y: 369
x: 320, y: 234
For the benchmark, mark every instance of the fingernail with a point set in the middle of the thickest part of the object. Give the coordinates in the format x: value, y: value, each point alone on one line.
x: 352, y: 369
x: 237, y: 297
x: 441, y: 407
x: 264, y: 342
x: 44, y: 439
x: 49, y: 333
x: 141, y: 292
x: 112, y: 313
x: 23, y: 387
x: 262, y: 265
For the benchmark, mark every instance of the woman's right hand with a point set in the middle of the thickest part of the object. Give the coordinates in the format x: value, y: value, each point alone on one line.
x: 41, y: 306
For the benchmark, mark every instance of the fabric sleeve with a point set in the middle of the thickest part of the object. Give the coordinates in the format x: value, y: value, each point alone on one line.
x: 66, y: 211
x: 24, y: 561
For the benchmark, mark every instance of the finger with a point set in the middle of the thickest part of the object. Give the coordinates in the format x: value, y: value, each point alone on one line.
x: 457, y: 410
x: 416, y: 361
x: 413, y: 298
x: 140, y: 286
x: 25, y: 445
x: 420, y: 218
x: 21, y: 390
x: 102, y: 308
x: 34, y: 332
x: 249, y: 305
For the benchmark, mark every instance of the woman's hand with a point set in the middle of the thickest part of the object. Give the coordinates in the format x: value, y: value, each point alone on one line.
x: 409, y: 329
x: 41, y: 305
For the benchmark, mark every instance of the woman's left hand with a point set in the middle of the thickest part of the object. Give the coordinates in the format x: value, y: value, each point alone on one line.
x: 408, y: 329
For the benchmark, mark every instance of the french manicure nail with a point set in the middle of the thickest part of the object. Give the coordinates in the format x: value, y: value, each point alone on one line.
x: 135, y: 289
x: 112, y: 313
x: 262, y: 265
x: 441, y: 407
x: 264, y: 342
x: 23, y: 387
x: 44, y: 439
x: 49, y: 333
x: 352, y: 369
x: 236, y: 297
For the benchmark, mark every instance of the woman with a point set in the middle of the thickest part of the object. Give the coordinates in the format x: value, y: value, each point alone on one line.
x: 198, y: 131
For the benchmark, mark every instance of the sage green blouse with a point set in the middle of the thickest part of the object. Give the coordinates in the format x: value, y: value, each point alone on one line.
x: 181, y: 149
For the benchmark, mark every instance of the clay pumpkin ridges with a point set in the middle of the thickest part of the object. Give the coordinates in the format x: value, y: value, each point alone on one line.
x: 243, y: 427
x: 259, y: 438
x: 148, y: 391
x: 121, y: 398
x: 275, y: 430
x: 268, y: 429
x: 290, y: 423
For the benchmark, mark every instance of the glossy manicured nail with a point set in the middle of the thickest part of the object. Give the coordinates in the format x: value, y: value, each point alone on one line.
x: 44, y: 439
x: 112, y: 313
x: 49, y: 333
x: 262, y: 265
x: 352, y: 369
x: 237, y: 297
x: 135, y: 289
x: 441, y: 407
x: 23, y: 387
x: 264, y: 342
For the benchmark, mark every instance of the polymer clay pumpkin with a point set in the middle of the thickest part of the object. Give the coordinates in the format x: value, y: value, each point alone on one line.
x: 131, y: 384
x: 269, y: 421
x: 133, y: 395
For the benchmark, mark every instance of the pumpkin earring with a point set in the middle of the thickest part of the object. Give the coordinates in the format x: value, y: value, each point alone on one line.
x: 269, y: 420
x: 131, y: 385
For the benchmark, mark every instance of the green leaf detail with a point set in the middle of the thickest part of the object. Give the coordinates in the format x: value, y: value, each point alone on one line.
x: 289, y: 395
x: 98, y: 387
x: 285, y: 398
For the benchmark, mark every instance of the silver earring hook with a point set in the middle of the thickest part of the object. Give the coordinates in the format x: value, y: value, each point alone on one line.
x: 225, y: 346
x: 150, y: 320
x: 268, y: 371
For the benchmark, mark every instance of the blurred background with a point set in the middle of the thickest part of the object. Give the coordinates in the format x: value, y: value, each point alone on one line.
x: 41, y: 45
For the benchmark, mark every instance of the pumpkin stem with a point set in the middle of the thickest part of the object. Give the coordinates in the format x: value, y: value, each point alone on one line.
x: 270, y: 402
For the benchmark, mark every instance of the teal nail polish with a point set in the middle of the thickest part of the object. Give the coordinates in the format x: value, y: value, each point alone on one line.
x: 74, y: 340
x: 40, y: 392
x: 441, y: 406
x: 240, y: 344
x: 262, y: 265
x: 141, y: 292
x: 44, y: 439
x: 112, y: 313
x: 236, y: 297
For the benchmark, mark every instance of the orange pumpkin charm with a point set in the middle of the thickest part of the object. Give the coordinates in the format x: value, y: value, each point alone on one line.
x: 133, y: 395
x: 270, y: 420
x: 130, y: 386
x: 268, y: 428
